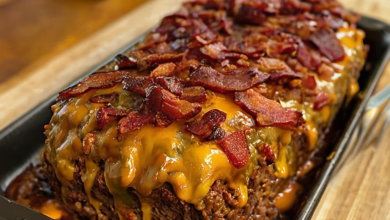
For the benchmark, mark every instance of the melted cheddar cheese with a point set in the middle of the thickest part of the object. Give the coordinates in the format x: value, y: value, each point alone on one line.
x: 147, y: 158
x: 285, y: 200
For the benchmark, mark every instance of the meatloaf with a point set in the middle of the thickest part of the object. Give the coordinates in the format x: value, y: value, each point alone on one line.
x: 211, y: 116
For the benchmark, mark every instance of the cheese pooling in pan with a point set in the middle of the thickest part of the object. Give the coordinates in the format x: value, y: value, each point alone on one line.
x: 229, y: 94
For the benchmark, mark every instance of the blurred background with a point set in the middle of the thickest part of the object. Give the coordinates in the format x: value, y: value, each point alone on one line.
x: 33, y: 31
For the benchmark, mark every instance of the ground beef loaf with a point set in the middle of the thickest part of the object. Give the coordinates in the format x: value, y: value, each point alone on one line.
x: 101, y: 193
x: 219, y: 203
x: 211, y: 116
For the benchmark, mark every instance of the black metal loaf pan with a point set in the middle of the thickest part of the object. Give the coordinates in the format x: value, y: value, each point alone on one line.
x: 21, y: 142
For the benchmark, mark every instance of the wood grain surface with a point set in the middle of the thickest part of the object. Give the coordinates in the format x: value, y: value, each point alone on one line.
x: 360, y: 190
x: 33, y: 32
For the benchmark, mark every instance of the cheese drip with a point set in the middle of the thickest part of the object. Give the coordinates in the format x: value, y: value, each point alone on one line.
x: 145, y: 159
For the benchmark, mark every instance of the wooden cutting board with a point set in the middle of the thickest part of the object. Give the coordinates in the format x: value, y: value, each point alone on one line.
x: 361, y: 190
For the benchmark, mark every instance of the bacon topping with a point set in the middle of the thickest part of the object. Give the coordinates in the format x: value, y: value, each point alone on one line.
x: 235, y: 80
x: 161, y: 120
x: 125, y: 62
x: 106, y: 98
x: 268, y: 112
x: 321, y: 101
x: 172, y: 84
x: 309, y: 82
x: 308, y: 58
x: 246, y: 48
x: 88, y: 142
x: 107, y: 114
x: 209, y: 122
x: 275, y: 49
x: 194, y: 94
x: 217, y: 51
x: 279, y: 71
x: 161, y: 48
x: 235, y: 147
x: 94, y: 81
x: 251, y: 12
x: 154, y: 60
x: 162, y: 100
x: 325, y: 72
x: 165, y: 69
x: 269, y: 153
x: 271, y: 64
x: 328, y: 44
x: 138, y: 84
x: 217, y: 134
x: 133, y: 121
x: 152, y: 39
x: 141, y: 84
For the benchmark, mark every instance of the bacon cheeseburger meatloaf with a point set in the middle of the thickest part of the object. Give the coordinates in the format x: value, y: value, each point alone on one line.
x: 209, y: 117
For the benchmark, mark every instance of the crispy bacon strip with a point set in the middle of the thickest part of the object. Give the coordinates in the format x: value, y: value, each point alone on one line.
x: 251, y: 12
x: 271, y: 64
x: 209, y: 122
x: 141, y: 84
x: 235, y: 147
x: 236, y: 80
x: 161, y: 120
x: 217, y: 134
x: 161, y: 48
x: 179, y: 45
x: 309, y: 82
x: 165, y: 69
x: 172, y: 84
x: 125, y: 62
x: 138, y: 84
x: 213, y: 50
x: 268, y: 112
x: 279, y: 71
x: 194, y: 94
x: 275, y: 49
x: 162, y: 100
x: 309, y: 58
x: 217, y: 51
x: 88, y: 142
x: 94, y: 81
x: 227, y: 25
x: 154, y: 60
x: 325, y: 72
x: 106, y: 98
x: 328, y: 44
x: 246, y: 48
x: 133, y: 121
x: 188, y: 65
x: 321, y: 101
x: 152, y: 39
x: 138, y: 56
x: 107, y: 114
x: 269, y: 153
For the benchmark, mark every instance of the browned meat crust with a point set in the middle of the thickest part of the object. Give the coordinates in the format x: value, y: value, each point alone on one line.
x: 220, y: 203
